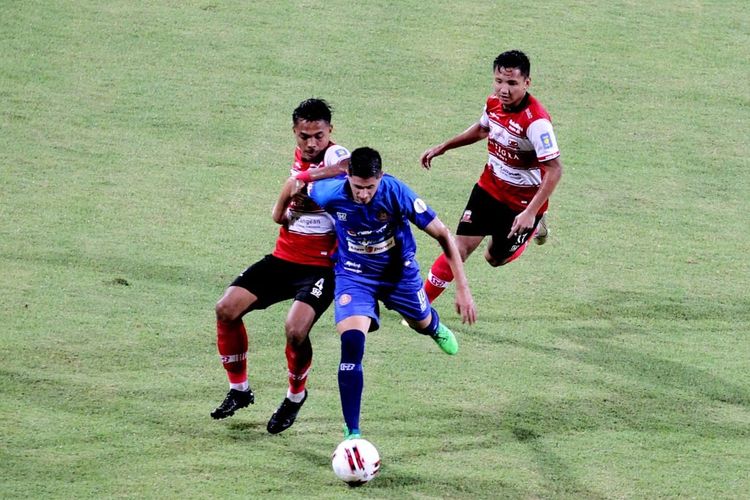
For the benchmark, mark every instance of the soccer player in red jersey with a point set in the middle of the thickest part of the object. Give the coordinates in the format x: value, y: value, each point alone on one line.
x: 509, y: 202
x: 299, y: 268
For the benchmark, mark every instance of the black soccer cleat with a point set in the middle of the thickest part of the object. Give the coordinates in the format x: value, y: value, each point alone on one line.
x: 234, y: 401
x: 285, y: 415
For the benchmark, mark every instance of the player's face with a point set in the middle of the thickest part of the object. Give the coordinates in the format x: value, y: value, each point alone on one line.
x: 312, y: 137
x: 510, y: 86
x: 363, y: 189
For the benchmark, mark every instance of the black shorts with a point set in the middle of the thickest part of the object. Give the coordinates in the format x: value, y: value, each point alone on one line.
x: 274, y: 280
x: 485, y: 216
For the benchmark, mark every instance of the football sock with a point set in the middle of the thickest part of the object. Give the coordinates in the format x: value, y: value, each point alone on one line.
x: 244, y: 386
x: 438, y: 279
x: 295, y: 398
x: 231, y: 339
x: 432, y: 328
x: 351, y: 377
x: 298, y: 361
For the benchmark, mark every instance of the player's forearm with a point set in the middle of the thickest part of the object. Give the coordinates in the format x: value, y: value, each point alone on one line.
x: 316, y: 174
x: 448, y: 244
x: 552, y: 176
x: 471, y: 135
x: 279, y: 208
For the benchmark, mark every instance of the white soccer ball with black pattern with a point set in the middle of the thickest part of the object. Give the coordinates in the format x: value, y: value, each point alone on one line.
x: 356, y: 461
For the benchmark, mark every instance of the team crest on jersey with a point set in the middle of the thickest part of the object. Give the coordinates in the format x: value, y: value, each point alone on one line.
x: 383, y: 216
x: 546, y: 140
x: 514, y: 127
x: 466, y: 217
x: 341, y: 216
x: 345, y: 299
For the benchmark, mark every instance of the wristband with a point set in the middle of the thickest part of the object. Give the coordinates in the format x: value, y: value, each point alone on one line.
x: 303, y: 176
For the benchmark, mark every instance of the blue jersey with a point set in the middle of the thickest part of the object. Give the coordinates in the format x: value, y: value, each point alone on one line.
x: 374, y: 240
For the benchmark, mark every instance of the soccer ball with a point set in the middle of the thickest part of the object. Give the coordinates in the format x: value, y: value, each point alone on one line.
x: 335, y: 154
x: 356, y: 461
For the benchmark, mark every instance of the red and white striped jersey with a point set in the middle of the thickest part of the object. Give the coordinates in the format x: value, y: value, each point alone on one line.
x: 309, y: 237
x: 518, y: 143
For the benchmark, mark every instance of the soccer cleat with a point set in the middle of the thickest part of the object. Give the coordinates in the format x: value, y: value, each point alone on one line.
x: 234, y: 401
x: 542, y: 231
x: 351, y: 435
x: 285, y: 415
x: 444, y: 338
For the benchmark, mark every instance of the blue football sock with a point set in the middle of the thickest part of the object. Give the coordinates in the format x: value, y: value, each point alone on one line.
x: 431, y: 329
x: 351, y: 377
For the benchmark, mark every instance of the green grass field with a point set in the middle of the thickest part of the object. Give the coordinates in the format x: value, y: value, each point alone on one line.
x: 143, y: 143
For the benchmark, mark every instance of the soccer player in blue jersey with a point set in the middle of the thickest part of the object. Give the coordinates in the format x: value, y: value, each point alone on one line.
x: 376, y: 261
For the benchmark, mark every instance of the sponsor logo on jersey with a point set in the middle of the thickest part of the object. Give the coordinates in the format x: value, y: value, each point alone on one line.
x: 546, y: 141
x: 341, y: 216
x: 514, y: 127
x: 345, y: 299
x: 366, y: 248
x: 420, y: 206
x: 466, y: 217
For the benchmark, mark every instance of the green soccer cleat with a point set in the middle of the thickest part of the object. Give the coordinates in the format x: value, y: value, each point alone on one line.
x: 351, y: 435
x: 446, y: 340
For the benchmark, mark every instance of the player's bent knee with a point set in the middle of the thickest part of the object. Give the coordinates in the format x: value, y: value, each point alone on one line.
x: 492, y: 260
x: 226, y: 312
x: 295, y: 333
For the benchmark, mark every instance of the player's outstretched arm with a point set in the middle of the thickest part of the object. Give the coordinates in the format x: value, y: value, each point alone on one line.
x: 469, y: 136
x: 464, y: 301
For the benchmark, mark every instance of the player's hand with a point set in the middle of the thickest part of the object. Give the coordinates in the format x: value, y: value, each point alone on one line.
x: 522, y: 223
x: 465, y: 306
x: 427, y: 156
x: 294, y: 185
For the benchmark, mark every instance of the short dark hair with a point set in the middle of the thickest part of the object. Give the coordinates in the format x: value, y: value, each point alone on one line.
x: 365, y: 163
x: 312, y: 110
x: 513, y: 59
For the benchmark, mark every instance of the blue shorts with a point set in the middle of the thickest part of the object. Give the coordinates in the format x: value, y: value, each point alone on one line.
x: 358, y: 296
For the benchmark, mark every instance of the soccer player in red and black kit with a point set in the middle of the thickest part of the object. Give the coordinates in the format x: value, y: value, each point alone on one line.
x: 510, y: 200
x: 300, y: 268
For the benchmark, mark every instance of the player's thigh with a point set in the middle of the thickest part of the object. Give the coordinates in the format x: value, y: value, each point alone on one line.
x: 271, y: 280
x: 233, y: 304
x: 478, y: 218
x: 315, y: 288
x: 501, y: 248
x: 356, y: 297
x: 407, y: 298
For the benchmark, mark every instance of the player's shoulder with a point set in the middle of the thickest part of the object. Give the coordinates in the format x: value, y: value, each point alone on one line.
x: 393, y: 183
x: 534, y: 110
x: 493, y: 104
x: 324, y: 190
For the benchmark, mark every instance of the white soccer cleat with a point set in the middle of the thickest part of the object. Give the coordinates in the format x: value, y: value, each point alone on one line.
x: 542, y: 231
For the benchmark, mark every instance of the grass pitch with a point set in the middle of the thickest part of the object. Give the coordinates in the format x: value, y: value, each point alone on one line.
x: 142, y: 145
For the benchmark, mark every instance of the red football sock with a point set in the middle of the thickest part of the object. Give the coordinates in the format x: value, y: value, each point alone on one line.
x: 439, y: 277
x: 298, y: 360
x: 231, y: 339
